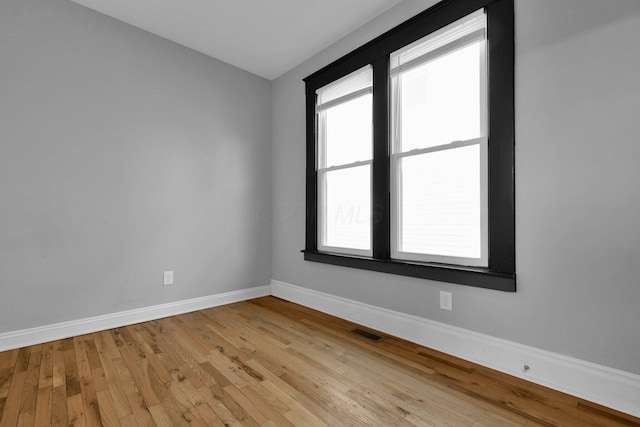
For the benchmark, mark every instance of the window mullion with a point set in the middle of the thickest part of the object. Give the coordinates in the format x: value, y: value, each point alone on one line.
x: 381, y: 155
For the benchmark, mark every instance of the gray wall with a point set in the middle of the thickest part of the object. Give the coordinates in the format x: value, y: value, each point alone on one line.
x: 123, y: 155
x: 578, y: 188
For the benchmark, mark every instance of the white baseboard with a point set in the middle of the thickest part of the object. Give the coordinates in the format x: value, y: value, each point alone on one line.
x: 610, y: 387
x: 32, y: 336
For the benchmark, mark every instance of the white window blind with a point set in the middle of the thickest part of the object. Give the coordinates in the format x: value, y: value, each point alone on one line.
x: 467, y: 30
x: 351, y: 86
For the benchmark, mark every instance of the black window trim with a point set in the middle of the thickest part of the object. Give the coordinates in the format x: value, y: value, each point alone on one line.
x: 501, y: 272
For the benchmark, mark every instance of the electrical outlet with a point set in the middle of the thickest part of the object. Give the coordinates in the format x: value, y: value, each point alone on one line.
x: 446, y: 300
x: 168, y: 278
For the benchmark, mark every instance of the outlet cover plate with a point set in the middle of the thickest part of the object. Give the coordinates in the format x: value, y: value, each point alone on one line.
x: 168, y: 278
x: 446, y: 300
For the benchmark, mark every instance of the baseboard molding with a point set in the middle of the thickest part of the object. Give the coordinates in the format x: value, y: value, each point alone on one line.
x: 38, y: 335
x: 610, y: 387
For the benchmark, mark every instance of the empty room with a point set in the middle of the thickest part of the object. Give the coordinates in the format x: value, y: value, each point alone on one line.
x: 336, y: 213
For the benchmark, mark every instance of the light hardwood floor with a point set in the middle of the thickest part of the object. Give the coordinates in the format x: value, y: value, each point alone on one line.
x: 267, y: 362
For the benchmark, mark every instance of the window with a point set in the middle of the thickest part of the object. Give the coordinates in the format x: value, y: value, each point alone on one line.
x: 439, y: 146
x: 344, y: 156
x: 410, y: 143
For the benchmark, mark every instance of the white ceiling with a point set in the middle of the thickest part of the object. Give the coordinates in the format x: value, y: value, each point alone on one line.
x: 265, y: 37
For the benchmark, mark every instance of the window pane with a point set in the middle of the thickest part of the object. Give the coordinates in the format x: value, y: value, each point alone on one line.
x: 348, y: 132
x: 440, y: 101
x: 347, y: 213
x: 439, y: 203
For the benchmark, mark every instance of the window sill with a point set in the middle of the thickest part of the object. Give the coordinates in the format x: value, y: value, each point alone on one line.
x: 471, y: 276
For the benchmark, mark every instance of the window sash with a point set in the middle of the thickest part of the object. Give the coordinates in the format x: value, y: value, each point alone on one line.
x: 457, y: 35
x: 321, y: 133
x: 397, y: 214
x: 322, y: 211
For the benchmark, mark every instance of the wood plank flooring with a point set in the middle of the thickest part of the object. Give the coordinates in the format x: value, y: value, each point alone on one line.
x: 268, y: 362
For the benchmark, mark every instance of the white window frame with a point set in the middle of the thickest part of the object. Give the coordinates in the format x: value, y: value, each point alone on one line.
x: 397, y: 155
x: 321, y: 144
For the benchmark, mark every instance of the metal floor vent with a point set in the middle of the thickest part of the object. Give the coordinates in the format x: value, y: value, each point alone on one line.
x: 368, y: 335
